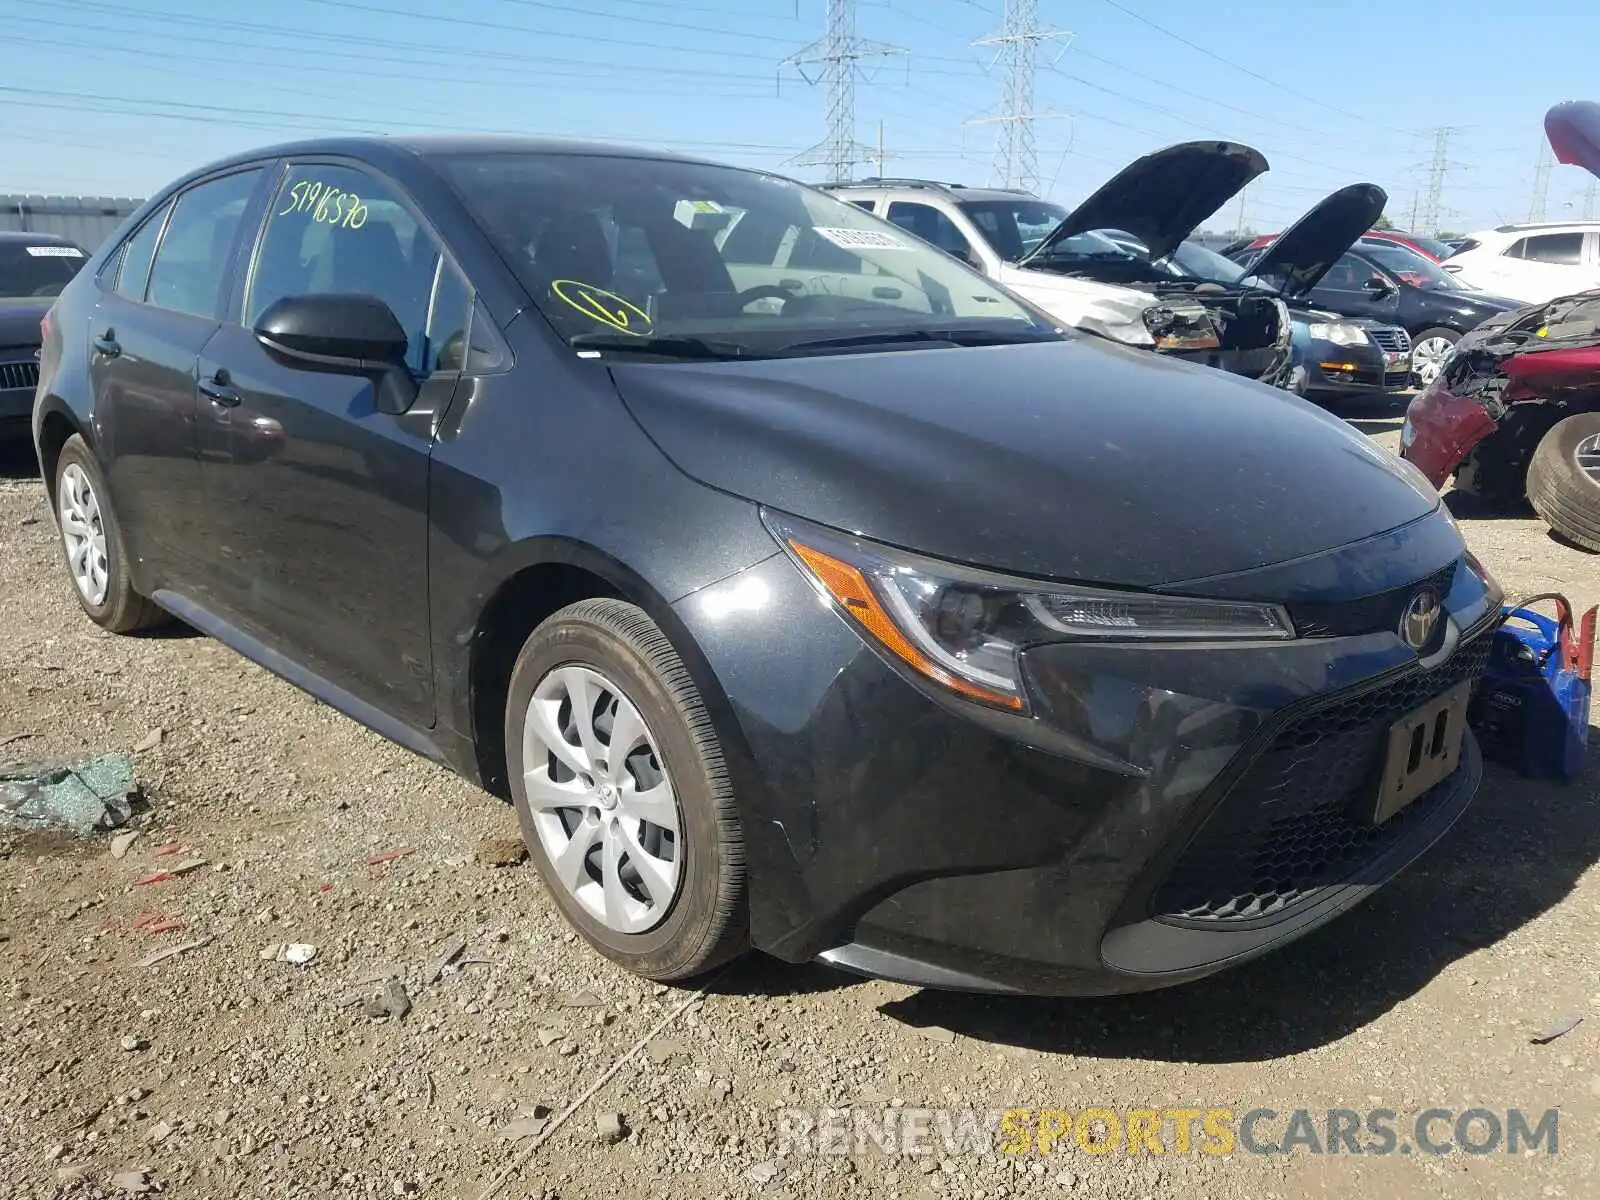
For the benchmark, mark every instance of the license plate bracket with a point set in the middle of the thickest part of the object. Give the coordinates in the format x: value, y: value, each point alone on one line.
x: 1424, y: 749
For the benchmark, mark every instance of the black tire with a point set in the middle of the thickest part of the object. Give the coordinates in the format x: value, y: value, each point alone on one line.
x: 123, y: 610
x: 707, y: 923
x: 1448, y: 335
x: 1560, y: 492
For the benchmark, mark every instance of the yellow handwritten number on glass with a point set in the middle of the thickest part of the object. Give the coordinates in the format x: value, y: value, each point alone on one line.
x: 606, y: 307
x: 327, y: 205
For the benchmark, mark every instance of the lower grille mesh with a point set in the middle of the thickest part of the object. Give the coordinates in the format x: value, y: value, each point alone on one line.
x: 1294, y: 823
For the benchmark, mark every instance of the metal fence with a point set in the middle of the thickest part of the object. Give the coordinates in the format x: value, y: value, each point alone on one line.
x: 87, y: 220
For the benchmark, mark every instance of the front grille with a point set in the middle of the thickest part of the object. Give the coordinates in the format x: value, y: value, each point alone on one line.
x: 1370, y: 614
x: 1390, y: 338
x: 1298, y: 820
x: 19, y: 375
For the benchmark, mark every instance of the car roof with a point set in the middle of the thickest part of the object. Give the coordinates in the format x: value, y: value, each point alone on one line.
x: 958, y: 190
x: 390, y: 148
x: 30, y: 238
x: 1546, y: 227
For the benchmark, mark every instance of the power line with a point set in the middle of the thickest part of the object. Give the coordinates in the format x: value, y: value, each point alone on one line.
x: 1213, y: 55
x: 1016, y: 155
x: 1436, y: 172
x: 1541, y: 183
x: 838, y: 54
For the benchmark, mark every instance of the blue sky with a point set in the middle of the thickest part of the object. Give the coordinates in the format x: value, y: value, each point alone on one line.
x: 115, y: 97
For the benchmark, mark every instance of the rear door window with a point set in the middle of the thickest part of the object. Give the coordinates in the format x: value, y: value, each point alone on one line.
x: 196, y: 251
x: 137, y: 254
x: 1558, y: 249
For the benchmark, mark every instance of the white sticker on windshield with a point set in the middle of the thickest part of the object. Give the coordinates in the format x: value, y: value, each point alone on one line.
x: 55, y: 252
x: 862, y: 239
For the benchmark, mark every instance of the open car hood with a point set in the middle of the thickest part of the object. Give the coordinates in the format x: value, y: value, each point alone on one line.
x: 1574, y: 132
x: 1302, y: 254
x: 1163, y: 197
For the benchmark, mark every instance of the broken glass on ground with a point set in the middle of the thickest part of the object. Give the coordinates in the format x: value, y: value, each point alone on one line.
x: 86, y: 797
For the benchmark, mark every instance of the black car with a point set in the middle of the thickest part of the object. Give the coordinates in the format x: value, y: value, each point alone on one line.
x: 1398, y: 287
x: 1342, y: 358
x: 823, y: 608
x: 34, y: 267
x: 1331, y: 357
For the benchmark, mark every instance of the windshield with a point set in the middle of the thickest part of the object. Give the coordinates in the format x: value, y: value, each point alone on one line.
x: 1201, y: 263
x: 1413, y: 268
x: 37, y: 269
x: 1432, y: 245
x: 1013, y: 227
x: 612, y: 248
x: 1092, y: 246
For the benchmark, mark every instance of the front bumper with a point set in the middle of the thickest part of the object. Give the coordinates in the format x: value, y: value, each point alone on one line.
x: 1440, y: 430
x: 1354, y: 370
x: 16, y: 408
x: 1263, y: 363
x: 893, y: 831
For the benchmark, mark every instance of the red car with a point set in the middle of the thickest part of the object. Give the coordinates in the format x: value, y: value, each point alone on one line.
x: 1516, y: 412
x: 1430, y: 248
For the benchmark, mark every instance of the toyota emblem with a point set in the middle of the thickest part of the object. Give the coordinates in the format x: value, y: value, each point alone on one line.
x: 1421, y: 615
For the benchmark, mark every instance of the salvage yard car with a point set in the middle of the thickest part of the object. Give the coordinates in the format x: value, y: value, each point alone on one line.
x: 1064, y: 262
x: 1398, y: 287
x: 825, y: 607
x: 1516, y: 412
x: 34, y: 267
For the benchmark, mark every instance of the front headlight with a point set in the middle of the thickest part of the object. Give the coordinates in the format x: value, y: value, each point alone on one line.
x: 1340, y: 333
x: 964, y: 628
x: 1181, y: 327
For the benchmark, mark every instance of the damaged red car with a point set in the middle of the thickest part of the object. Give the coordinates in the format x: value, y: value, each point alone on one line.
x: 1515, y: 411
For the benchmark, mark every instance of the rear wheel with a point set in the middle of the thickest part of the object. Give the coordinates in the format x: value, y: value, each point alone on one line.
x: 1429, y: 351
x: 91, y: 544
x: 1564, y: 479
x: 622, y: 793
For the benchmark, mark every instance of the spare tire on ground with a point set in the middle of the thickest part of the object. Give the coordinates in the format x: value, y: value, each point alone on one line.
x: 1564, y: 479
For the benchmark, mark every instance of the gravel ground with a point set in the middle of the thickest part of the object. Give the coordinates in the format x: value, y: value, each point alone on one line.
x: 224, y: 1070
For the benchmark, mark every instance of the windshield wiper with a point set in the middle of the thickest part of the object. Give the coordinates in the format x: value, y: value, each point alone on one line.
x: 957, y: 337
x: 670, y: 346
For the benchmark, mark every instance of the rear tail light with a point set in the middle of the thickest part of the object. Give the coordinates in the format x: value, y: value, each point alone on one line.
x: 44, y: 324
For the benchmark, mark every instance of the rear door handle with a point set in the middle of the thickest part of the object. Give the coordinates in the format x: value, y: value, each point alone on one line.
x: 219, y: 390
x: 107, y: 344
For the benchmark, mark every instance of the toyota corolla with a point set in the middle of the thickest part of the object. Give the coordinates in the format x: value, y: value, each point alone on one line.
x: 801, y: 588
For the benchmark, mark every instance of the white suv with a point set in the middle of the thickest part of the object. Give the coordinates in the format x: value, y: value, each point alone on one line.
x: 1060, y: 260
x: 1531, y: 263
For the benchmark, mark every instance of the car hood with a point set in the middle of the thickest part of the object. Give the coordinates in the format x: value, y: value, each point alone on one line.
x: 1076, y: 460
x: 1163, y: 197
x: 20, y: 317
x: 1301, y: 255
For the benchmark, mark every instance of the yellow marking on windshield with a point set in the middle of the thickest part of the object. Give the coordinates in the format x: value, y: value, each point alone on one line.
x: 608, y: 308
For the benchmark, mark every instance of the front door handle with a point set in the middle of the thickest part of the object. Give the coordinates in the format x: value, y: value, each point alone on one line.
x: 219, y: 390
x: 107, y: 344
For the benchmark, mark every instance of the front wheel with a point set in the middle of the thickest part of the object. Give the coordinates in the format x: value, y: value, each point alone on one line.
x: 622, y: 793
x: 1564, y: 479
x: 1429, y: 353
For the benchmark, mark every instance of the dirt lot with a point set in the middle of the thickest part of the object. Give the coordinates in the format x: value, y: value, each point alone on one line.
x: 223, y: 1071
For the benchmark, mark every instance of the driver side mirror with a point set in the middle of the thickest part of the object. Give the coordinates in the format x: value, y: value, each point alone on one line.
x: 1377, y: 285
x: 965, y: 254
x: 354, y: 334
